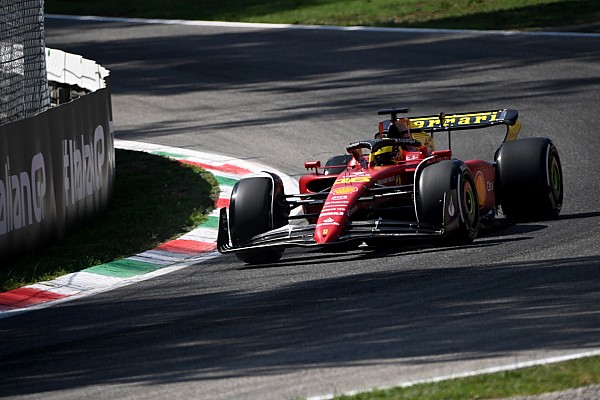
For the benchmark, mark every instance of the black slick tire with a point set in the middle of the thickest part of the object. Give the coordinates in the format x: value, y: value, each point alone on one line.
x: 529, y: 182
x: 435, y: 180
x: 257, y: 205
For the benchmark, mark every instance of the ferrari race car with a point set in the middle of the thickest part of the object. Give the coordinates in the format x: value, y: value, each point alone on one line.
x: 397, y: 186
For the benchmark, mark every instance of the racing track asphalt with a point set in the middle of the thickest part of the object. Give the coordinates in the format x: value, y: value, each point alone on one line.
x: 316, y: 322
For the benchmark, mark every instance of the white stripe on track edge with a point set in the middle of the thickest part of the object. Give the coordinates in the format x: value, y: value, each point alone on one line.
x: 484, y: 371
x: 226, y: 24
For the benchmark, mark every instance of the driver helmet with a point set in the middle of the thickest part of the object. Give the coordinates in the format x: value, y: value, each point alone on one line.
x: 387, y: 155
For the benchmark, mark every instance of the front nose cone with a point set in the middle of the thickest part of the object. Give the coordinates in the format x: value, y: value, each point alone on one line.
x: 326, y: 234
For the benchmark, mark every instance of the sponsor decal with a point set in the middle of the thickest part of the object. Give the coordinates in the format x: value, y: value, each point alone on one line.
x: 451, y: 209
x: 353, y: 179
x: 455, y: 120
x: 332, y: 213
x: 82, y: 166
x: 397, y: 179
x: 338, y: 198
x: 333, y: 208
x: 328, y: 224
x: 22, y: 194
x: 344, y: 190
x: 389, y: 179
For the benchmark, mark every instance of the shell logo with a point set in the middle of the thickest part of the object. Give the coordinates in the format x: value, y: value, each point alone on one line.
x: 481, y: 189
x: 344, y: 190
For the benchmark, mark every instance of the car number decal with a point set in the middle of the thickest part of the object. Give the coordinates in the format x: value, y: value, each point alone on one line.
x: 354, y: 179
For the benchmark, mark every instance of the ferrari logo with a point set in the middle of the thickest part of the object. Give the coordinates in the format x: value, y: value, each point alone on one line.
x: 455, y: 120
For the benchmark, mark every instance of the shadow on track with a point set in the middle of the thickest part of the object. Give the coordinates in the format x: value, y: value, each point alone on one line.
x: 415, y: 315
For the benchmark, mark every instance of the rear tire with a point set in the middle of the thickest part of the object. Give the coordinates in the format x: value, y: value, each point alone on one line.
x: 257, y: 206
x: 437, y: 179
x: 529, y: 182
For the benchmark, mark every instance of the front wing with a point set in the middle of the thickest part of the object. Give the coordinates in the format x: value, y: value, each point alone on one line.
x: 302, y: 235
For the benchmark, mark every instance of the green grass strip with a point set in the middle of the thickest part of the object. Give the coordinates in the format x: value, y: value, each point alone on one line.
x: 156, y: 199
x: 462, y: 14
x: 520, y: 382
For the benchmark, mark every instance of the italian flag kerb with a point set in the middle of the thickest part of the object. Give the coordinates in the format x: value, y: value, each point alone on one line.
x: 162, y: 259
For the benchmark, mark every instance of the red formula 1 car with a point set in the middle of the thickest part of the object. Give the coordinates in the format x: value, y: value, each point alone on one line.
x: 397, y: 186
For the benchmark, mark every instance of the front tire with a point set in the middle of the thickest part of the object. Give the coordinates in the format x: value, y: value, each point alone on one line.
x: 257, y: 206
x: 529, y: 182
x: 433, y: 182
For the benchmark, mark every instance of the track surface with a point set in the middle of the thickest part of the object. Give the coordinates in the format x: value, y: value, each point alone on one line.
x: 319, y: 323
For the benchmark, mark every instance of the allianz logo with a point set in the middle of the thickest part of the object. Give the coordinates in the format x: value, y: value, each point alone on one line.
x: 82, y: 166
x: 22, y: 193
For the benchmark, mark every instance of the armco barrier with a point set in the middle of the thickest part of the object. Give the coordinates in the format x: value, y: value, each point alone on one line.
x: 56, y: 169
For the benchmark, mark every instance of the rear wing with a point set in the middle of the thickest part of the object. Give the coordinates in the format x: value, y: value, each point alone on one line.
x: 462, y: 121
